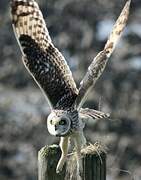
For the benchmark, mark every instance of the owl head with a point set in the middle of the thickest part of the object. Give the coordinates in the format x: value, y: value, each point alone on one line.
x: 58, y: 123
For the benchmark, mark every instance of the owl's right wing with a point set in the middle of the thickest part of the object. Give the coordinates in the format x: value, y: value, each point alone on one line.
x: 44, y: 62
x: 98, y: 64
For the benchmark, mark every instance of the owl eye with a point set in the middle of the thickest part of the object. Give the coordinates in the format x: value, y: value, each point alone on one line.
x: 63, y: 122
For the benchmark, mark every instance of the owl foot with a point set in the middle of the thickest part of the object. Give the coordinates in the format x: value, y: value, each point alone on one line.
x: 60, y: 164
x: 64, y: 149
x: 59, y: 169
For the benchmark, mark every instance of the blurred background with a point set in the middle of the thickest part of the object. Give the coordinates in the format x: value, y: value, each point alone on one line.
x: 79, y: 28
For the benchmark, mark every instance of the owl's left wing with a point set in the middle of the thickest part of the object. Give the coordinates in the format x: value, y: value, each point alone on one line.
x: 98, y: 64
x: 94, y: 114
x: 44, y: 62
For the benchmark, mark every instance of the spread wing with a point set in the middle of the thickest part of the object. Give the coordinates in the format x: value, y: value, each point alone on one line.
x: 98, y: 64
x: 94, y: 114
x: 44, y: 62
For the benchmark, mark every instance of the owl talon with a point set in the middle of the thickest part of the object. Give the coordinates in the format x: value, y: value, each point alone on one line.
x: 57, y: 171
x: 59, y: 168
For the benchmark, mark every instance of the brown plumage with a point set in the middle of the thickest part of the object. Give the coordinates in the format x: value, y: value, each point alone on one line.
x: 99, y: 63
x: 49, y: 69
x: 45, y: 63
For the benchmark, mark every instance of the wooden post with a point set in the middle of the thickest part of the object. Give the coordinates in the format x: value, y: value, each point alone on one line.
x: 94, y: 165
x: 48, y: 158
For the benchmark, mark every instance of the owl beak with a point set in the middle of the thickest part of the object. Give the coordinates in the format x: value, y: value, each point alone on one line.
x: 58, y: 135
x: 56, y: 127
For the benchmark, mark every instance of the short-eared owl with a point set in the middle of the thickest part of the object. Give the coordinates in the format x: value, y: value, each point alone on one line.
x: 49, y: 69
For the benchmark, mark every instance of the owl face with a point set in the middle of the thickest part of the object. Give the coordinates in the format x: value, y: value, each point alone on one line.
x: 58, y: 123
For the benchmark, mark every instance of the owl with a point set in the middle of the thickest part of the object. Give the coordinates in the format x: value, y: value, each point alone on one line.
x: 49, y: 69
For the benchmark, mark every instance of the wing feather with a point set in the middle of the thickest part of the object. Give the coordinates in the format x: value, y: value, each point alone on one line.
x: 98, y: 64
x: 94, y: 114
x: 44, y: 62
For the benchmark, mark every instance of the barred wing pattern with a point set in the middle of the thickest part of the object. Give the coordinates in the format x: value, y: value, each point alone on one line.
x: 44, y: 62
x: 98, y: 64
x: 94, y: 114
